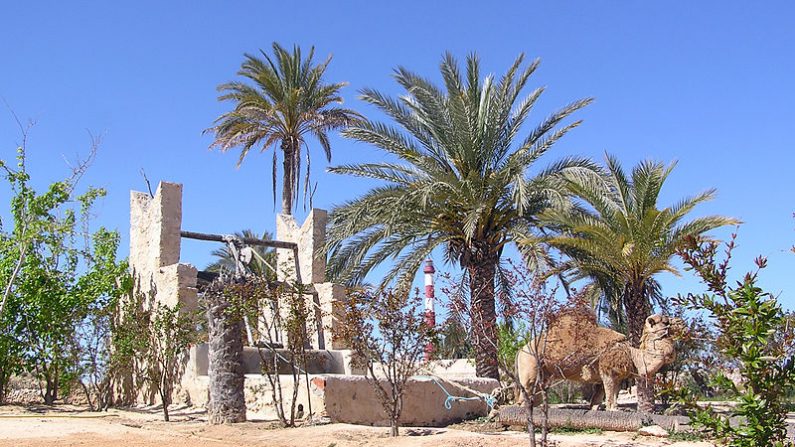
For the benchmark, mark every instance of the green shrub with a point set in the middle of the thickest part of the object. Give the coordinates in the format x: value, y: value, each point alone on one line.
x: 753, y: 330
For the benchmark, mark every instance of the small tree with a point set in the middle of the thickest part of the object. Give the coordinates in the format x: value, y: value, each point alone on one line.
x: 290, y: 314
x: 58, y: 282
x: 698, y: 362
x: 388, y: 331
x: 171, y: 330
x: 753, y: 329
x: 102, y: 286
x: 129, y: 343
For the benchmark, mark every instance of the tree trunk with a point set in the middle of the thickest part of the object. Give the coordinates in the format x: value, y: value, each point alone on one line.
x: 165, y: 402
x: 4, y: 377
x: 50, y: 389
x: 484, y: 315
x: 638, y: 308
x: 227, y: 399
x: 582, y: 419
x: 288, y: 180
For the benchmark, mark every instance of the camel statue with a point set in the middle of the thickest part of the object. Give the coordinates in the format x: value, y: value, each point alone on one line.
x: 576, y: 348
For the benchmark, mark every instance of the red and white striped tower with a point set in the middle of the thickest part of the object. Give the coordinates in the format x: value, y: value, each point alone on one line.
x: 430, y: 314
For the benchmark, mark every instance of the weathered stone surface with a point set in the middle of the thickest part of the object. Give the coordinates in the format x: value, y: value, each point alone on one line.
x: 318, y: 362
x: 331, y: 299
x: 327, y: 299
x: 351, y: 399
x: 311, y: 238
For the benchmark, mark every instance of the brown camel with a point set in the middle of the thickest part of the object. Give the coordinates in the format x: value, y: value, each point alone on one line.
x: 575, y: 348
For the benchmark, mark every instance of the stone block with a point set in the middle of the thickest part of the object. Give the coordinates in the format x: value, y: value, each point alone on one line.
x: 351, y: 399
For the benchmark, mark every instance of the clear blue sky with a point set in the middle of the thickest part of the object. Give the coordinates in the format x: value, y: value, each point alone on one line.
x: 706, y: 83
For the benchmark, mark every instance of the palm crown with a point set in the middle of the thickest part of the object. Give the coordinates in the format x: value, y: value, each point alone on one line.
x: 285, y: 101
x: 462, y: 181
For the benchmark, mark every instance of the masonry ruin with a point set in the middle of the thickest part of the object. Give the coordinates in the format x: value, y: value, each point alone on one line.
x: 155, y: 243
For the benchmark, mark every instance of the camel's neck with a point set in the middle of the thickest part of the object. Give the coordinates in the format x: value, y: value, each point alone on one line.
x: 654, y: 355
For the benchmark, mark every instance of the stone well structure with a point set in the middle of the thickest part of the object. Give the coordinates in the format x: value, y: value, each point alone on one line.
x: 155, y: 241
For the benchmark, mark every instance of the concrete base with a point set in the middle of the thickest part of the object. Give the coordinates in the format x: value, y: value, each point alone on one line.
x: 351, y: 399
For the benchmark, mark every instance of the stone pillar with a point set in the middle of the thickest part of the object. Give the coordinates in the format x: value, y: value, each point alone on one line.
x: 155, y: 225
x: 311, y: 239
x: 331, y: 299
x: 327, y: 300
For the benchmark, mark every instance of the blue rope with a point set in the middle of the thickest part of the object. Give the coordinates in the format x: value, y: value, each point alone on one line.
x: 448, y: 402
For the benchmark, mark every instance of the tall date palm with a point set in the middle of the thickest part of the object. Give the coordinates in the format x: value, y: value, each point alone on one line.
x: 461, y: 181
x: 285, y: 101
x: 622, y: 240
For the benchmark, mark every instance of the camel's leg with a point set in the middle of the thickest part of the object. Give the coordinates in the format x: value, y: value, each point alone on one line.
x: 597, y: 395
x: 611, y: 391
x: 526, y: 370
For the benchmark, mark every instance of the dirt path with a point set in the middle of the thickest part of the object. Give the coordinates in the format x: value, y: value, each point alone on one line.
x: 70, y: 427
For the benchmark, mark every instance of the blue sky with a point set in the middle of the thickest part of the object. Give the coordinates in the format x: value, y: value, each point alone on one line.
x: 706, y: 83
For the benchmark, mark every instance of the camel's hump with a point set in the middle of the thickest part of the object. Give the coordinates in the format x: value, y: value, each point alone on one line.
x: 578, y: 333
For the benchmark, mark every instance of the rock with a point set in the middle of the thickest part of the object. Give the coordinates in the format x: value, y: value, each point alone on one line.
x: 654, y: 430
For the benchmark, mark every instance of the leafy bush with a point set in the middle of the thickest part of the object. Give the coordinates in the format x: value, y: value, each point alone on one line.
x: 754, y: 330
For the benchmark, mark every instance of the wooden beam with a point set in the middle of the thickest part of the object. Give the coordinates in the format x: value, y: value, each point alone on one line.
x: 245, y: 240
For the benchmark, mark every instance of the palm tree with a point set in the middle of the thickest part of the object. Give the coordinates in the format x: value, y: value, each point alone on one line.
x: 461, y: 182
x: 620, y: 239
x: 287, y: 101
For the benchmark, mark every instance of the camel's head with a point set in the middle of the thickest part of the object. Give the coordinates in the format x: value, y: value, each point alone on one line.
x: 657, y: 341
x: 657, y: 322
x: 662, y: 326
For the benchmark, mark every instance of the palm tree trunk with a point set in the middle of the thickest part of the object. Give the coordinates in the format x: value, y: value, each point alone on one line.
x: 511, y: 415
x: 638, y: 308
x: 227, y: 399
x: 288, y: 181
x: 484, y: 315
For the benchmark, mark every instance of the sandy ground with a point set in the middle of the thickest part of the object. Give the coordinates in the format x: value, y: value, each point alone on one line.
x: 69, y: 426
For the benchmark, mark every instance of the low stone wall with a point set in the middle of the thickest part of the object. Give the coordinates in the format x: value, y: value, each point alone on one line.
x: 351, y: 399
x: 319, y: 362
